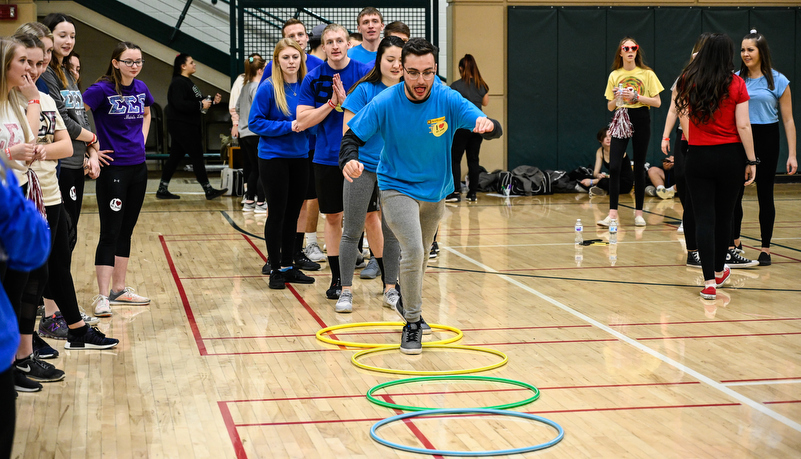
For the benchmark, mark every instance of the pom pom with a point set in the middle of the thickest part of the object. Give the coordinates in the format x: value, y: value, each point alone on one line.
x: 753, y: 31
x: 620, y: 127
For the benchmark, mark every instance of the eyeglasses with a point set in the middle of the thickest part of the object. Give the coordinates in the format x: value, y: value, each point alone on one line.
x: 630, y: 48
x: 130, y: 63
x: 428, y: 75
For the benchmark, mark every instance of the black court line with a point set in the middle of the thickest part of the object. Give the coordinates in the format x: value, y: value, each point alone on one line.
x: 236, y: 227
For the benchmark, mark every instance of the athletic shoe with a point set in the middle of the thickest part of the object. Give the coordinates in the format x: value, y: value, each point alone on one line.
x: 38, y: 370
x: 54, y: 326
x: 42, y: 349
x: 40, y: 310
x: 248, y: 207
x: 605, y: 222
x: 680, y: 229
x: 23, y: 384
x: 665, y: 193
x: 434, y: 250
x: 360, y: 263
x: 314, y: 253
x: 301, y: 261
x: 471, y: 196
x: 411, y: 339
x: 735, y: 260
x: 454, y: 197
x: 709, y: 293
x: 391, y: 298
x: 295, y: 276
x: 371, y: 271
x: 164, y: 194
x: 260, y: 208
x: 399, y: 309
x: 719, y: 281
x: 739, y: 249
x: 693, y: 259
x: 92, y: 339
x: 89, y: 320
x: 212, y: 193
x: 101, y: 306
x: 764, y: 259
x: 266, y: 268
x: 597, y: 191
x: 334, y: 290
x: 127, y: 296
x: 639, y: 221
x: 650, y: 190
x: 277, y: 281
x: 345, y: 302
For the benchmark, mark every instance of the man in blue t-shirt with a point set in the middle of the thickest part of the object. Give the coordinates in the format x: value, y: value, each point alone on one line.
x: 320, y: 104
x: 417, y: 120
x: 370, y: 23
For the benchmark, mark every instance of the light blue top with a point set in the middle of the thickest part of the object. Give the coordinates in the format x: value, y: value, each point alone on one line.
x: 370, y: 153
x: 416, y: 159
x: 362, y: 55
x: 763, y: 108
x: 277, y: 139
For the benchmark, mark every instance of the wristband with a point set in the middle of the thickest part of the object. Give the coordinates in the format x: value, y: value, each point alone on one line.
x: 94, y: 140
x: 331, y: 104
x: 34, y: 101
x: 755, y: 162
x: 666, y: 139
x: 8, y: 153
x: 591, y: 182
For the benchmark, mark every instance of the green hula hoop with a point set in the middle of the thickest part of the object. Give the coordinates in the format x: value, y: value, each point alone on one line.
x: 454, y: 377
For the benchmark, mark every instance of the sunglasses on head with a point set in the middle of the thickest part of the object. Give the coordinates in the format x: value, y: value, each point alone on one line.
x: 630, y: 48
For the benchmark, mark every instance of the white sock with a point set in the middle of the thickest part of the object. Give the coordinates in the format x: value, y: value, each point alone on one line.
x: 311, y: 237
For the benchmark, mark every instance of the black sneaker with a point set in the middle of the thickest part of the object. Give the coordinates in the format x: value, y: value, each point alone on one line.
x: 164, y: 194
x: 296, y: 276
x: 453, y: 197
x: 735, y: 260
x: 303, y: 262
x: 764, y: 259
x: 24, y: 384
x: 693, y: 260
x: 38, y: 370
x: 411, y: 339
x: 54, y: 326
x: 277, y: 281
x: 212, y: 193
x: 423, y: 324
x: 471, y: 196
x: 434, y: 250
x: 42, y: 349
x: 334, y: 290
x: 92, y: 339
x: 266, y: 268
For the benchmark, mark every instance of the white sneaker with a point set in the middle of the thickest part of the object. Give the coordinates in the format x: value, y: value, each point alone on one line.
x: 345, y: 301
x: 650, y: 190
x: 665, y: 193
x: 391, y: 298
x: 639, y: 221
x: 605, y: 222
x: 89, y: 320
x: 314, y: 253
x: 127, y: 296
x: 102, y: 308
x: 260, y: 208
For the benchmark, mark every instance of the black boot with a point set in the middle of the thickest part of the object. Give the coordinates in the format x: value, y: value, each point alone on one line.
x: 163, y: 193
x: 212, y: 193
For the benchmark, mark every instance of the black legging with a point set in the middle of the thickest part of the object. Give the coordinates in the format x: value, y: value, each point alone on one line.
x: 284, y: 181
x: 71, y: 183
x: 8, y: 406
x: 185, y: 139
x: 766, y: 147
x: 465, y: 140
x: 688, y: 218
x: 641, y: 125
x: 250, y: 157
x: 60, y: 286
x: 120, y: 194
x: 714, y: 175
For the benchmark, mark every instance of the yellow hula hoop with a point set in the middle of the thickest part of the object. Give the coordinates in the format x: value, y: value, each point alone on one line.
x: 355, y: 357
x: 325, y: 330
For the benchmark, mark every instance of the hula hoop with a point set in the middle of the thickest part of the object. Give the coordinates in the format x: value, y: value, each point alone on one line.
x: 355, y: 361
x: 446, y: 378
x: 499, y: 452
x: 325, y: 339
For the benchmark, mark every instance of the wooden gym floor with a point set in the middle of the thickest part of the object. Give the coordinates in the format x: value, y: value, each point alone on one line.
x: 630, y: 360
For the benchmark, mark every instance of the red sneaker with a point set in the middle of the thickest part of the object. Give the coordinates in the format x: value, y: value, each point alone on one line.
x: 708, y: 293
x: 719, y: 281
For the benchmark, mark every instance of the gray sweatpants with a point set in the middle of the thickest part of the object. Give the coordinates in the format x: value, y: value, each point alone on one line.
x: 356, y: 199
x: 414, y: 224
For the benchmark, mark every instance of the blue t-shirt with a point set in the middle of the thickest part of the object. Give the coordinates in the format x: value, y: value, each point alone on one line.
x: 277, y: 139
x: 119, y: 119
x: 362, y: 55
x: 416, y: 159
x: 763, y: 108
x: 315, y: 92
x: 370, y: 153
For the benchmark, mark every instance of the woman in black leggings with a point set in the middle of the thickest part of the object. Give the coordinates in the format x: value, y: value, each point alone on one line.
x: 718, y: 131
x: 185, y: 104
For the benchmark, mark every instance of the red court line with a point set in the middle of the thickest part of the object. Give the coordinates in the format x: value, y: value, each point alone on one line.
x: 719, y: 336
x: 754, y: 380
x: 415, y: 430
x: 705, y: 322
x: 190, y: 317
x: 234, y: 238
x: 781, y: 401
x: 239, y: 449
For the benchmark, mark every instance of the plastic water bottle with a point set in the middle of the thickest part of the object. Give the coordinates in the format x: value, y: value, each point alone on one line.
x: 579, y: 232
x: 205, y: 110
x: 507, y: 190
x: 619, y: 99
x: 613, y: 231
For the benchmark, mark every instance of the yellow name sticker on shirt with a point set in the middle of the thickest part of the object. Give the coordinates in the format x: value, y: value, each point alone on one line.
x: 438, y: 126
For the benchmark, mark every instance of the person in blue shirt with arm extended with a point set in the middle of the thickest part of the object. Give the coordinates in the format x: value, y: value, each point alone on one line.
x: 417, y: 120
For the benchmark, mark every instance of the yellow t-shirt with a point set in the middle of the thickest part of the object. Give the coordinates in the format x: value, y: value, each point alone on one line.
x: 643, y: 81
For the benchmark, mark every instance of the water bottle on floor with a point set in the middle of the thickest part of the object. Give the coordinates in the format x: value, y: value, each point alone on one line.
x: 613, y: 231
x: 579, y: 232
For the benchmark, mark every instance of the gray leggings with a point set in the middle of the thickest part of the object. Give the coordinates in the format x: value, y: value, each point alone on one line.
x: 414, y: 223
x: 356, y: 199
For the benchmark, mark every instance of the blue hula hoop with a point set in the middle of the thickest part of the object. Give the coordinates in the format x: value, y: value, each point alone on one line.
x: 467, y: 453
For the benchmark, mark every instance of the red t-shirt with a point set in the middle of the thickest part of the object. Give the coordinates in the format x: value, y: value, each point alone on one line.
x: 722, y: 128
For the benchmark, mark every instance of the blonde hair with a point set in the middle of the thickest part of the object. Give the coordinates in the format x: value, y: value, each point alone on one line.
x: 8, y: 47
x: 278, y: 74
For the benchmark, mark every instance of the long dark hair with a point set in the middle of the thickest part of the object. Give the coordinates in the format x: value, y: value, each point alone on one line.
x: 51, y: 21
x: 112, y: 73
x: 765, y: 63
x: 179, y: 61
x: 468, y: 70
x: 639, y: 59
x: 705, y: 82
x: 375, y: 74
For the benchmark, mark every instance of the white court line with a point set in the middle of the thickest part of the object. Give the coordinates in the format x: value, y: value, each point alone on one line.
x: 705, y: 379
x: 762, y: 383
